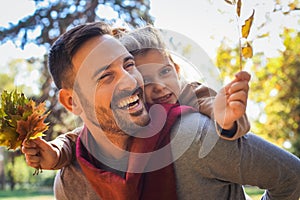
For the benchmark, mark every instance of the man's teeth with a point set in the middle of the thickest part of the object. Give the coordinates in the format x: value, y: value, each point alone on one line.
x: 126, y: 102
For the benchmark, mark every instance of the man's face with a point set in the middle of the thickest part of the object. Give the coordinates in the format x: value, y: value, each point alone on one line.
x: 109, y: 86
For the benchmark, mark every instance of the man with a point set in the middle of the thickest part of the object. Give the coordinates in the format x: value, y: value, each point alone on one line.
x: 98, y: 81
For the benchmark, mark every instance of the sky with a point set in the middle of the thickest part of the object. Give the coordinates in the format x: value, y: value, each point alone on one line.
x: 206, y: 22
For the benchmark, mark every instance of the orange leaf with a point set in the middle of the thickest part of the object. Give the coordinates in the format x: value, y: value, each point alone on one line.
x: 246, y: 27
x: 247, y: 51
x: 34, y: 125
x: 238, y: 7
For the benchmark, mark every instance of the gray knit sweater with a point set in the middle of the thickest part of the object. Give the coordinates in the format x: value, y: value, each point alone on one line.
x: 210, y: 168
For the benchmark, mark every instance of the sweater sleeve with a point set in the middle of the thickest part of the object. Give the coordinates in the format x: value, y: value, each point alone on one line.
x: 202, y: 98
x: 249, y: 160
x: 65, y: 143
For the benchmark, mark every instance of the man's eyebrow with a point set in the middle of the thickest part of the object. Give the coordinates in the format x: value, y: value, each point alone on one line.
x: 99, y: 71
x: 128, y: 58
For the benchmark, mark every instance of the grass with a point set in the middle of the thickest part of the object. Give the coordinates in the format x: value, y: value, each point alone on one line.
x: 254, y: 192
x: 42, y: 194
x: 47, y: 194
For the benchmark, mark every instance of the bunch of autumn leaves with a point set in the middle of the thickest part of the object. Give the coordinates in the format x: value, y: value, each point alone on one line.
x: 20, y: 119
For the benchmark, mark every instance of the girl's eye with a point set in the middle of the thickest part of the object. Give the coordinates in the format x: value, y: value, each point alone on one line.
x: 165, y: 70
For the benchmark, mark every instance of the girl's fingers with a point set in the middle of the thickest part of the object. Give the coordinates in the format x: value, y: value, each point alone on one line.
x: 243, y: 76
x: 238, y: 86
x: 240, y: 96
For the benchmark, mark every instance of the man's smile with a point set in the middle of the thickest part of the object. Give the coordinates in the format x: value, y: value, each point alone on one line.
x: 132, y: 103
x: 129, y: 102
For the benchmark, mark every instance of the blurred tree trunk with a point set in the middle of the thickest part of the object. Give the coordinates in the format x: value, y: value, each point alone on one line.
x: 10, y: 174
x: 2, y: 176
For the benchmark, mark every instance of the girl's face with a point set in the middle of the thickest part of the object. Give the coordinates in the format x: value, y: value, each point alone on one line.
x: 160, y: 76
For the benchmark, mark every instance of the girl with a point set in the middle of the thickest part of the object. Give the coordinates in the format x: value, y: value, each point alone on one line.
x: 163, y: 84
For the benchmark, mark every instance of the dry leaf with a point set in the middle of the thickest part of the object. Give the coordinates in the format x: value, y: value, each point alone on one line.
x: 238, y: 7
x: 233, y: 2
x: 246, y: 27
x: 247, y: 51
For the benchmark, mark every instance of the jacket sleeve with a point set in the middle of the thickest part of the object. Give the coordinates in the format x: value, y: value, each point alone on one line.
x: 65, y: 143
x: 202, y: 98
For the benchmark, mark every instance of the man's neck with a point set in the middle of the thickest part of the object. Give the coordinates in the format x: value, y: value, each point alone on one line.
x: 111, y: 145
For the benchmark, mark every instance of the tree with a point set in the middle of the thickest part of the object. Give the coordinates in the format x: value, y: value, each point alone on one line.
x: 55, y: 18
x: 279, y: 84
x: 275, y: 87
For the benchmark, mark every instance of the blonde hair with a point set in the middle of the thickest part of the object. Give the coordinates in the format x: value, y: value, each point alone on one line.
x: 142, y: 40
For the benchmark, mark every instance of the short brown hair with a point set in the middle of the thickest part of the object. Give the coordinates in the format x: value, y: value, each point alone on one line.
x: 65, y: 47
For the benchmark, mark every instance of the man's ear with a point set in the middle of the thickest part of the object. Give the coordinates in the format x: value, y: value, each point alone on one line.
x: 70, y: 101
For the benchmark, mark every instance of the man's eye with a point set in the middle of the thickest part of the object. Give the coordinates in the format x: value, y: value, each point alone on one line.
x: 129, y: 65
x: 104, y: 76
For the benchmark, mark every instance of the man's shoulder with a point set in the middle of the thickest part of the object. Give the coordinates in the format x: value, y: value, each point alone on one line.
x: 193, y: 121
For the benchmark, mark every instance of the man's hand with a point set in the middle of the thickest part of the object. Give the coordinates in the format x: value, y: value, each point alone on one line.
x: 40, y: 154
x: 231, y: 101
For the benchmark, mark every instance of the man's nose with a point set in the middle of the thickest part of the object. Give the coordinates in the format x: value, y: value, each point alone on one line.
x: 127, y: 81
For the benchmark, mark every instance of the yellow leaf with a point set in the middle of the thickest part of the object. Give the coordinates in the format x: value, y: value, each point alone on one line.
x: 263, y: 35
x: 246, y: 27
x: 238, y: 7
x: 292, y: 6
x: 247, y: 51
x: 37, y: 135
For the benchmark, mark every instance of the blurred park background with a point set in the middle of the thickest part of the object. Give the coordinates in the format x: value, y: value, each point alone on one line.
x: 28, y: 28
